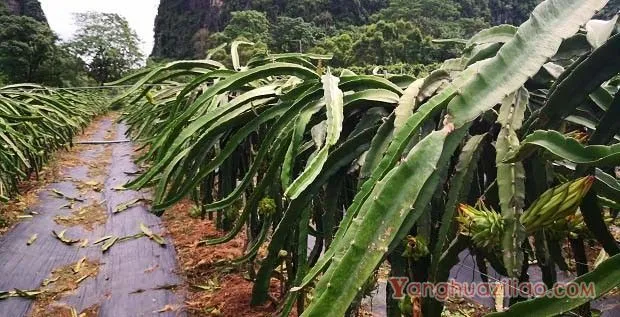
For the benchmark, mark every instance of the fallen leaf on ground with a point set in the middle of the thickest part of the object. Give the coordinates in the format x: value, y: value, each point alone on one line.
x: 109, y: 243
x: 166, y: 308
x: 81, y: 279
x: 78, y: 265
x: 151, y: 269
x: 32, y: 239
x: 61, y: 236
x: 155, y: 237
x: 126, y: 205
x: 102, y: 239
x: 50, y: 280
x: 65, y: 196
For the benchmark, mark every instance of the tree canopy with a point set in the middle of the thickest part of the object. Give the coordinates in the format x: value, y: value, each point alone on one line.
x: 106, y: 44
x: 30, y: 52
x: 25, y: 44
x: 294, y: 34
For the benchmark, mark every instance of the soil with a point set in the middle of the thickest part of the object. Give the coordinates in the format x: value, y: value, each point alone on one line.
x: 212, y: 289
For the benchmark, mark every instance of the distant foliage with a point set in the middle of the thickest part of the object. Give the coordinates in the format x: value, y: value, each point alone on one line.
x: 251, y: 25
x: 358, y: 33
x: 341, y: 12
x: 31, y: 52
x: 194, y: 17
x: 294, y: 34
x: 437, y: 18
x: 418, y: 70
x: 25, y: 44
x: 106, y: 44
x: 380, y: 43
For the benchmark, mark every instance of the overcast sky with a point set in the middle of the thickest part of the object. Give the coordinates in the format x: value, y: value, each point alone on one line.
x: 140, y: 14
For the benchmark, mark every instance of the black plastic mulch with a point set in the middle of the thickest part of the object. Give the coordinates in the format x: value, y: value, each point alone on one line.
x: 136, y: 277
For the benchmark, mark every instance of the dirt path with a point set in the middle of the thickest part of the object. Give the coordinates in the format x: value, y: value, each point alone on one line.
x: 134, y: 277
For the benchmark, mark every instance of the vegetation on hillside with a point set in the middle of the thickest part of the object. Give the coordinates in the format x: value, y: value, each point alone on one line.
x: 368, y: 29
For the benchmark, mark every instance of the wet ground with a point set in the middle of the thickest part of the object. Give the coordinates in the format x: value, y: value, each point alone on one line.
x: 136, y: 277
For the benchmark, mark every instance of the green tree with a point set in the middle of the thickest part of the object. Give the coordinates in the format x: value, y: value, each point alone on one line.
x: 386, y: 43
x: 250, y: 25
x: 381, y: 43
x: 439, y: 18
x: 340, y: 46
x: 30, y: 52
x: 293, y: 34
x: 25, y: 45
x: 64, y: 69
x: 106, y: 44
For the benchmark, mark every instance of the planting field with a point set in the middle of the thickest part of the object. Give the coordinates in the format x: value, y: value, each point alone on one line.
x: 277, y: 186
x: 132, y: 278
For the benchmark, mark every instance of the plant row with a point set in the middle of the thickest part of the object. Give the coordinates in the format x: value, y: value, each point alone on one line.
x: 34, y: 122
x: 507, y: 152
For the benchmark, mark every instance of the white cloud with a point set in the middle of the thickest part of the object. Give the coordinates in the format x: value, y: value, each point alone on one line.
x: 140, y: 14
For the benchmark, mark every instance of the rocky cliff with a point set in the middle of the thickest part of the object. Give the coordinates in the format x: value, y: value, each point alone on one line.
x: 30, y: 8
x: 178, y: 20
